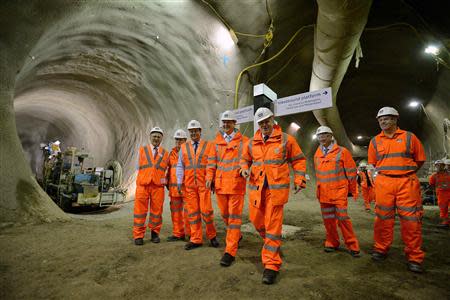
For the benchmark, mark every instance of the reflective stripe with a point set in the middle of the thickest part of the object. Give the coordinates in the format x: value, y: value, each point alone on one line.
x: 158, y: 164
x: 350, y: 170
x: 410, y: 208
x: 374, y: 144
x: 331, y: 179
x: 300, y: 156
x: 201, y: 153
x: 194, y: 214
x: 147, y: 155
x: 274, y: 161
x: 410, y: 218
x: 271, y: 248
x: 258, y: 163
x: 302, y: 173
x: 211, y: 165
x: 385, y: 208
x: 395, y: 154
x: 194, y: 222
x: 156, y: 223
x: 343, y: 218
x: 328, y: 209
x: 385, y: 217
x: 335, y: 171
x: 176, y: 210
x: 234, y: 226
x: 235, y: 217
x: 278, y: 186
x: 155, y: 216
x: 139, y: 224
x: 207, y: 214
x: 228, y: 161
x: 343, y: 210
x: 212, y: 158
x: 253, y: 187
x: 228, y: 168
x: 273, y: 237
x: 140, y: 216
x: 208, y: 222
x: 408, y: 144
x: 333, y: 216
x: 396, y: 168
x: 188, y: 152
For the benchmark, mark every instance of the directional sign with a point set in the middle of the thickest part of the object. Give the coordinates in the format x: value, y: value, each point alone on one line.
x: 244, y: 114
x: 304, y: 102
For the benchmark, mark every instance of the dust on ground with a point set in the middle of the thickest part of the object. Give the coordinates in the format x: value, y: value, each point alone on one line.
x: 93, y: 257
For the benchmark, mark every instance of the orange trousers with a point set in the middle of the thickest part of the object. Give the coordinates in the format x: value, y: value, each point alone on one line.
x: 335, y: 215
x: 401, y: 194
x: 268, y: 221
x: 368, y: 194
x: 198, y: 203
x: 231, y: 208
x: 444, y: 204
x: 146, y: 194
x: 178, y: 212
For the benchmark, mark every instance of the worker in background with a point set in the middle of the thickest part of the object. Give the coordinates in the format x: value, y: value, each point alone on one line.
x: 269, y: 154
x: 178, y: 210
x: 441, y: 182
x: 365, y: 180
x: 223, y: 176
x: 397, y: 155
x: 150, y: 182
x: 191, y: 170
x: 335, y: 180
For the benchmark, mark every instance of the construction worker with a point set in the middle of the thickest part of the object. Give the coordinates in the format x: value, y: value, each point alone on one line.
x: 269, y: 154
x: 397, y: 155
x: 441, y: 181
x: 178, y: 210
x: 365, y: 180
x: 223, y: 176
x: 150, y: 182
x: 191, y: 170
x: 335, y: 180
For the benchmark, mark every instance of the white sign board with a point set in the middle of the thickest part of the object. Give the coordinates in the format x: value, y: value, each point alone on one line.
x: 304, y: 102
x: 244, y: 114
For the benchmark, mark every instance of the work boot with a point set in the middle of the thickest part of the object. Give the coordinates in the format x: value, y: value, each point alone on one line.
x: 191, y: 245
x: 355, y: 254
x: 415, y: 267
x: 227, y: 260
x: 378, y: 256
x: 139, y: 241
x: 330, y: 249
x: 213, y: 242
x: 155, y: 238
x: 269, y: 276
x: 173, y: 238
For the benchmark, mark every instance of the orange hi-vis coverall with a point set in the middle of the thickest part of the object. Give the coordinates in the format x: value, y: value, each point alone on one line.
x: 223, y: 170
x: 441, y: 181
x: 336, y: 178
x: 150, y: 184
x: 198, y: 197
x: 367, y: 187
x: 397, y: 187
x: 269, y: 186
x: 178, y: 208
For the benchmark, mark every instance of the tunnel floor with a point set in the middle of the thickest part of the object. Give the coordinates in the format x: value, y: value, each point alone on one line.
x: 93, y: 257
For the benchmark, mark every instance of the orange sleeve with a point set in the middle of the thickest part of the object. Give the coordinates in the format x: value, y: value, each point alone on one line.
x: 433, y: 179
x: 212, y: 163
x: 298, y: 161
x: 246, y: 159
x: 417, y: 149
x: 371, y: 154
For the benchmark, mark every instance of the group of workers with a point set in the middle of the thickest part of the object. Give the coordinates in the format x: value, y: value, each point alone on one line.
x: 195, y: 168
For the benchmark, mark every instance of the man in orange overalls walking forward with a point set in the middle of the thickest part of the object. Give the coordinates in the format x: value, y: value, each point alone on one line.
x: 397, y: 155
x: 150, y: 182
x: 441, y: 181
x: 336, y: 178
x: 223, y: 176
x: 269, y: 154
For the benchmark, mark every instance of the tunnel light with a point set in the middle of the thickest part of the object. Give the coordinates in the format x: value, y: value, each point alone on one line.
x: 223, y: 38
x: 432, y: 50
x: 314, y: 136
x: 294, y: 126
x: 359, y: 137
x: 414, y: 104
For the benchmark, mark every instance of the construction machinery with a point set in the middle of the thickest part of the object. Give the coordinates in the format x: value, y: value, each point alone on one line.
x: 71, y: 180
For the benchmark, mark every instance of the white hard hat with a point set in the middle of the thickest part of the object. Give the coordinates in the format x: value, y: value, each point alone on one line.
x: 362, y: 165
x: 262, y: 113
x: 387, y: 111
x: 228, y: 116
x: 447, y: 161
x: 437, y: 162
x: 194, y: 124
x: 57, y: 142
x: 156, y: 129
x: 323, y: 129
x: 180, y: 134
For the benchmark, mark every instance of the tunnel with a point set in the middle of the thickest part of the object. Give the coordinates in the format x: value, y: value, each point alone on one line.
x: 98, y: 75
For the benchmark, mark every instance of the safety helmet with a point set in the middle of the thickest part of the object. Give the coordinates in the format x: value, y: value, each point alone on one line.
x: 180, y: 134
x: 193, y: 124
x: 156, y: 129
x: 323, y: 129
x: 262, y: 113
x: 228, y: 116
x: 387, y: 111
x: 362, y: 165
x: 437, y: 162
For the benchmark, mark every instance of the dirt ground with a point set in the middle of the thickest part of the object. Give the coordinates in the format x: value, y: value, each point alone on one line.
x: 93, y: 257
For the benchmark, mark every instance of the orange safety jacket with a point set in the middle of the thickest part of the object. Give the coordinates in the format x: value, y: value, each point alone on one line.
x: 172, y: 174
x: 270, y: 160
x: 335, y: 174
x: 397, y: 155
x: 441, y: 180
x: 365, y: 181
x: 223, y: 164
x: 152, y: 170
x: 195, y: 163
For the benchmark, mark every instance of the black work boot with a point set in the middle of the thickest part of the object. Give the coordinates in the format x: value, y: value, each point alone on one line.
x: 378, y: 256
x: 415, y: 267
x: 269, y: 276
x: 155, y: 238
x: 355, y: 254
x: 227, y: 260
x: 173, y: 238
x: 139, y: 241
x: 330, y: 249
x: 191, y: 245
x: 213, y: 242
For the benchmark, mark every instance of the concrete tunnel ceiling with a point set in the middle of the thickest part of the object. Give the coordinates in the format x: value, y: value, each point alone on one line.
x: 102, y: 72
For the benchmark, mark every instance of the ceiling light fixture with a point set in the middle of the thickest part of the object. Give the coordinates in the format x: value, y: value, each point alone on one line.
x: 432, y: 50
x: 414, y: 104
x: 359, y: 137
